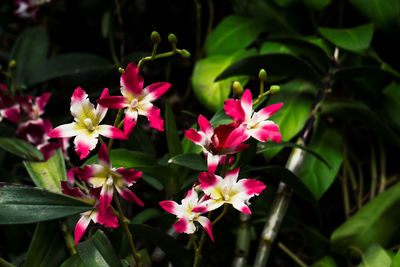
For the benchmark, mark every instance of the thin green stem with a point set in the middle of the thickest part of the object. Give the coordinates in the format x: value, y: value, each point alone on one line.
x: 260, y: 97
x: 154, y: 57
x: 128, y: 234
x: 346, y: 201
x: 116, y: 123
x: 291, y: 254
x: 374, y: 173
x: 101, y: 140
x: 360, y: 186
x: 382, y: 155
x: 69, y: 240
x: 225, y: 166
x: 222, y: 214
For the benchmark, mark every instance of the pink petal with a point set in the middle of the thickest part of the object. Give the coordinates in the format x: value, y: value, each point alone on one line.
x: 156, y: 122
x: 71, y: 175
x: 129, y: 125
x: 103, y: 157
x: 206, y: 223
x: 156, y: 90
x: 205, y: 126
x: 200, y: 209
x: 233, y: 109
x: 84, y: 144
x: 194, y: 136
x: 237, y: 136
x: 3, y: 87
x: 233, y: 149
x: 65, y: 130
x: 73, y: 192
x: 42, y: 101
x: 207, y: 179
x: 106, y: 196
x: 48, y: 150
x: 253, y: 187
x: 111, y: 132
x: 130, y: 176
x: 108, y: 218
x: 80, y: 228
x: 268, y: 111
x: 170, y: 206
x: 78, y: 96
x: 247, y: 103
x: 85, y: 173
x: 12, y: 113
x: 131, y: 81
x: 231, y: 176
x: 113, y: 102
x: 268, y: 130
x: 240, y: 206
x: 128, y: 195
x: 101, y: 110
x: 212, y: 162
x: 181, y: 225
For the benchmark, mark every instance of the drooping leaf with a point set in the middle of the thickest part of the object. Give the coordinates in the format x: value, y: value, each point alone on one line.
x: 191, y: 161
x: 47, y: 246
x: 375, y: 256
x: 74, y: 261
x: 396, y: 260
x: 21, y: 148
x: 356, y: 39
x: 377, y: 222
x: 98, y: 251
x: 316, y: 4
x: 48, y: 174
x: 67, y: 64
x: 29, y: 51
x: 173, y: 140
x: 279, y: 65
x: 22, y: 204
x: 315, y: 174
x: 233, y: 33
x: 209, y: 92
x: 174, y: 250
x: 146, y: 215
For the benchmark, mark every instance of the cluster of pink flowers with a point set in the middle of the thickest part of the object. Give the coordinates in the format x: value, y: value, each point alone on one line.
x: 28, y: 8
x: 102, y: 178
x: 217, y: 143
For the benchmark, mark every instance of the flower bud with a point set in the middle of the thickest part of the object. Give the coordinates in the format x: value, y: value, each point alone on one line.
x: 172, y: 39
x: 155, y: 37
x: 274, y: 89
x: 262, y: 75
x: 185, y: 53
x: 12, y: 64
x: 121, y: 70
x: 237, y: 89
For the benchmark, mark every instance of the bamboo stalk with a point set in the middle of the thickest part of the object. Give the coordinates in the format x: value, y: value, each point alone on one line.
x: 242, y: 241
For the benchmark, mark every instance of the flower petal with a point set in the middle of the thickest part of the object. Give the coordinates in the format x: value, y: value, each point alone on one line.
x: 237, y: 136
x: 205, y: 126
x: 106, y: 196
x: 207, y: 225
x: 267, y: 130
x: 130, y: 176
x: 103, y: 157
x: 84, y: 143
x: 101, y: 110
x: 207, y: 179
x: 131, y: 81
x: 156, y: 90
x: 240, y: 206
x: 128, y: 195
x: 170, y: 206
x: 253, y: 187
x: 111, y: 132
x: 108, y: 218
x: 66, y: 130
x: 113, y: 102
x: 73, y: 192
x: 247, y: 103
x: 234, y: 109
x: 195, y: 137
x: 156, y: 121
x: 80, y: 228
x: 268, y: 111
x: 181, y: 225
x: 12, y: 113
x: 212, y: 162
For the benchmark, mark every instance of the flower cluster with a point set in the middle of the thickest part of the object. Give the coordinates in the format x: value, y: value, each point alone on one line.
x: 218, y: 145
x: 28, y: 8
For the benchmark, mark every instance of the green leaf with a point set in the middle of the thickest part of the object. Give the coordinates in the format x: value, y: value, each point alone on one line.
x: 377, y: 221
x: 363, y: 72
x: 48, y: 174
x: 21, y: 148
x: 106, y: 23
x: 210, y: 93
x: 220, y: 118
x: 152, y: 182
x: 317, y: 4
x: 375, y: 256
x: 173, y: 140
x: 97, y: 251
x: 126, y: 158
x: 326, y: 261
x: 67, y: 64
x: 315, y: 174
x: 175, y: 252
x: 276, y: 65
x: 396, y: 260
x: 390, y: 104
x: 350, y: 111
x: 356, y: 39
x: 47, y: 247
x: 266, y: 146
x: 191, y: 161
x: 146, y: 215
x: 297, y: 98
x: 384, y: 14
x: 232, y: 34
x: 22, y: 204
x: 29, y: 51
x: 73, y: 261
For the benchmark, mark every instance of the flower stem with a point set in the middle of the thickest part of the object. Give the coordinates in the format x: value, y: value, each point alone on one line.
x: 128, y: 234
x: 116, y: 124
x: 225, y: 166
x: 69, y: 240
x: 374, y: 174
x: 291, y: 254
x: 382, y: 183
x: 242, y: 241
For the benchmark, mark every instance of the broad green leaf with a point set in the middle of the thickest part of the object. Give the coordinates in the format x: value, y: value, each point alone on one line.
x: 316, y: 4
x: 363, y: 72
x: 190, y: 160
x: 5, y: 263
x: 29, y: 51
x: 384, y: 14
x: 326, y: 261
x: 375, y: 256
x: 48, y: 174
x: 140, y: 140
x: 356, y: 39
x: 152, y: 182
x: 98, y: 251
x: 146, y: 215
x: 232, y: 34
x: 315, y: 174
x: 350, y: 111
x: 377, y: 222
x: 73, y: 261
x: 390, y: 104
x: 297, y: 98
x: 396, y: 260
x: 47, y: 247
x: 22, y: 204
x: 220, y: 118
x: 67, y: 64
x: 210, y: 93
x: 21, y: 148
x: 174, y: 250
x: 173, y: 140
x: 276, y: 65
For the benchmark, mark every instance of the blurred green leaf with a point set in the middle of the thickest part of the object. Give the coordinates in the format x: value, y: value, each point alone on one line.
x: 173, y: 140
x: 209, y: 92
x: 73, y: 261
x: 377, y: 221
x: 152, y: 182
x: 375, y: 256
x: 29, y: 51
x: 316, y: 4
x: 233, y: 33
x: 48, y: 174
x: 356, y: 39
x: 146, y: 215
x: 191, y: 161
x: 276, y: 65
x: 326, y: 261
x: 363, y: 72
x: 67, y: 64
x: 220, y: 118
x: 20, y: 148
x: 98, y: 251
x: 106, y: 23
x: 22, y: 204
x: 396, y: 260
x: 315, y: 174
x: 284, y: 3
x: 47, y: 247
x: 174, y: 250
x: 390, y: 104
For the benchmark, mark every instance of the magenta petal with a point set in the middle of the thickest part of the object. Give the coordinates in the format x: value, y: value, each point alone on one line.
x: 200, y: 209
x: 48, y: 150
x: 103, y: 157
x: 81, y: 149
x: 253, y: 187
x: 131, y: 79
x: 114, y: 102
x: 78, y: 96
x: 156, y: 90
x: 206, y: 223
x: 268, y: 111
x: 156, y: 122
x: 194, y: 136
x: 247, y: 102
x: 170, y: 206
x: 130, y: 176
x: 269, y: 130
x: 237, y: 136
x: 12, y: 114
x: 72, y: 192
x: 128, y: 195
x: 205, y: 126
x: 80, y: 228
x: 42, y: 101
x: 106, y: 196
x: 129, y: 125
x: 246, y: 209
x: 207, y: 179
x: 212, y: 162
x: 181, y: 225
x: 84, y: 173
x: 108, y: 218
x: 233, y: 109
x: 111, y: 132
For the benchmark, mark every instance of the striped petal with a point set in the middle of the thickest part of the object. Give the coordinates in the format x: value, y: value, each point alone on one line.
x: 66, y: 130
x: 207, y: 225
x: 111, y: 132
x: 170, y: 206
x: 80, y: 228
x: 131, y: 81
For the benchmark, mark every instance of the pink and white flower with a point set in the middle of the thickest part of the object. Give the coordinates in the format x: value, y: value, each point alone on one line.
x: 107, y: 217
x: 135, y: 99
x: 86, y: 128
x: 218, y: 142
x: 103, y: 176
x: 186, y: 217
x: 28, y: 8
x: 9, y: 109
x: 228, y: 190
x: 255, y: 123
x: 33, y: 107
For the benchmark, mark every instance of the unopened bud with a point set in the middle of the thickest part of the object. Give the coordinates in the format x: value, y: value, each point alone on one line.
x: 185, y: 53
x: 274, y: 89
x: 172, y: 38
x: 155, y: 37
x: 12, y: 64
x: 121, y: 70
x: 262, y: 75
x: 237, y: 89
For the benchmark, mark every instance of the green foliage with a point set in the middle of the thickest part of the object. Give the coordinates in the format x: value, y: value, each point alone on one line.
x: 375, y: 255
x: 326, y: 261
x: 173, y: 140
x: 191, y: 161
x: 20, y: 148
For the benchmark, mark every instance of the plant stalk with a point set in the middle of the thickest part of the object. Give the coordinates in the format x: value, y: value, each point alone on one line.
x: 242, y: 241
x: 291, y: 255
